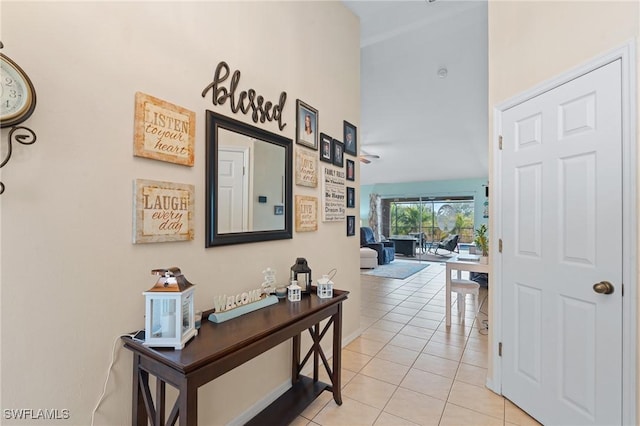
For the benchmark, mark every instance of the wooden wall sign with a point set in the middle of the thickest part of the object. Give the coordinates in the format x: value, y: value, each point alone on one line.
x: 162, y: 211
x: 163, y: 131
x: 333, y: 191
x: 306, y: 213
x: 306, y: 168
x: 246, y: 101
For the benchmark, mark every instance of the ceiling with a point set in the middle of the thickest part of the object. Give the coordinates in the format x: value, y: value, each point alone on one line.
x: 423, y: 126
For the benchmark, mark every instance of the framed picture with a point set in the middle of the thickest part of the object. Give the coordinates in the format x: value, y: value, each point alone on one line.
x: 163, y: 131
x: 338, y: 153
x: 350, y: 139
x: 325, y: 148
x: 351, y: 226
x: 162, y: 211
x: 351, y: 197
x: 307, y: 122
x: 351, y: 170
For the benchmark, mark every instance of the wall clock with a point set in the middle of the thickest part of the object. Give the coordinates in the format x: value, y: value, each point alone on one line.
x: 17, y: 94
x: 17, y: 102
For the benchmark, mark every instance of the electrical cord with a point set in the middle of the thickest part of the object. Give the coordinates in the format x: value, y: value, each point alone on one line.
x: 485, y: 322
x: 104, y: 388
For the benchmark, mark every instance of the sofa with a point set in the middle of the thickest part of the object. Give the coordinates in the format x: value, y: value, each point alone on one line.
x: 368, y: 258
x: 386, y: 249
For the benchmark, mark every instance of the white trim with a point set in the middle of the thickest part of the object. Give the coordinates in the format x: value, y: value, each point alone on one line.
x: 627, y: 55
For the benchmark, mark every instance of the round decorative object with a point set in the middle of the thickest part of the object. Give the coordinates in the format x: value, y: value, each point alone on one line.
x: 446, y: 218
x: 17, y: 94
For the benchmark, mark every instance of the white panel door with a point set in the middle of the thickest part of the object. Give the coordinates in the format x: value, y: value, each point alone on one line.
x: 562, y: 233
x: 232, y: 191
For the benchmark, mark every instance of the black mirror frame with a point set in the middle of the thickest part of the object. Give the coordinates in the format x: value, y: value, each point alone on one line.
x: 213, y: 238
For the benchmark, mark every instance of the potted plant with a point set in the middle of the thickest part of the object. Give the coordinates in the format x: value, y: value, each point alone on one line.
x: 481, y: 240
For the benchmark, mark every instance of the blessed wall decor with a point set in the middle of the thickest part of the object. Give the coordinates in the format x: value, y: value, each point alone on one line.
x: 163, y: 131
x: 162, y: 211
x: 246, y: 101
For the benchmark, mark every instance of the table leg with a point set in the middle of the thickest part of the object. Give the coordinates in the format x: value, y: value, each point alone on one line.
x: 295, y: 360
x: 337, y: 356
x: 188, y: 403
x: 139, y: 411
x: 447, y: 297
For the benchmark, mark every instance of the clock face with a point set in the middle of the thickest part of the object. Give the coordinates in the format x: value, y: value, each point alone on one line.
x: 17, y: 95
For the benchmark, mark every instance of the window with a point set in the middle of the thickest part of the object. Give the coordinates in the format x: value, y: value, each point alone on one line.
x: 413, y: 215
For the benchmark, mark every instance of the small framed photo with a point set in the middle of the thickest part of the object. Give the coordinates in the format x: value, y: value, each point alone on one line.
x: 278, y: 209
x: 307, y: 122
x: 351, y: 170
x: 350, y: 139
x: 351, y: 197
x: 325, y: 148
x: 351, y: 226
x: 338, y: 153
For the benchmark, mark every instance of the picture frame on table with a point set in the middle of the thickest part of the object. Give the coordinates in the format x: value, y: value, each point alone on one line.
x: 351, y: 226
x: 307, y: 125
x: 338, y: 153
x: 351, y: 197
x: 350, y: 138
x: 326, y: 153
x: 351, y: 170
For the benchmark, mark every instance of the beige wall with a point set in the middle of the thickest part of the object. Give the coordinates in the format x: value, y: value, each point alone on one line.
x: 71, y: 279
x: 531, y: 42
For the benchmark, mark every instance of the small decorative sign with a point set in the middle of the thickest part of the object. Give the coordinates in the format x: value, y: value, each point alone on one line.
x: 333, y: 190
x: 306, y: 169
x: 306, y: 213
x: 163, y: 131
x: 162, y: 211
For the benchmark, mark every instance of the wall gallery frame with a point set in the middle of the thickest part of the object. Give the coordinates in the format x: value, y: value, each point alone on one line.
x: 351, y: 226
x: 325, y: 148
x: 163, y: 131
x: 351, y: 170
x: 307, y: 125
x: 351, y: 197
x: 338, y: 153
x: 162, y: 211
x: 306, y: 213
x: 350, y: 139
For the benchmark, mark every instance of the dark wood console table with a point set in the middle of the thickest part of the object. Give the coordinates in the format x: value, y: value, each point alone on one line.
x: 219, y: 348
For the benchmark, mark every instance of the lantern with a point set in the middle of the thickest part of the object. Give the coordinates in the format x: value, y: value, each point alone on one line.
x: 294, y: 292
x: 325, y: 287
x: 169, y: 320
x: 301, y: 273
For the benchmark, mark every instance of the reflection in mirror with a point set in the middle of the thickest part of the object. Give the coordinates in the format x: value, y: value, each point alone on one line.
x: 248, y: 183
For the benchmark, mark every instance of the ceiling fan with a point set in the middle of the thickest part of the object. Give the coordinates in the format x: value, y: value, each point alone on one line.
x: 366, y: 158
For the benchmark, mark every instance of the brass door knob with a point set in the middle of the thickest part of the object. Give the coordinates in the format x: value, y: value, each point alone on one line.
x: 603, y: 287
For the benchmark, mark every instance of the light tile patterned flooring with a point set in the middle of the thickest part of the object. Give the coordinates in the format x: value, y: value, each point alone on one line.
x: 407, y: 368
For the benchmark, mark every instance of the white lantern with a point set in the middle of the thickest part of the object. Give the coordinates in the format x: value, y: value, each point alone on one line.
x: 170, y: 315
x: 325, y: 287
x: 294, y: 291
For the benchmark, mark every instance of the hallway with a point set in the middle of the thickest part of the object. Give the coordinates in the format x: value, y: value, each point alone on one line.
x: 408, y: 369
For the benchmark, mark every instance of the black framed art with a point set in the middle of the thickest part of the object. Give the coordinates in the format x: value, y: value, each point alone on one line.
x: 325, y: 148
x: 307, y: 125
x: 338, y: 153
x: 351, y: 197
x: 351, y: 226
x: 351, y: 170
x: 350, y: 139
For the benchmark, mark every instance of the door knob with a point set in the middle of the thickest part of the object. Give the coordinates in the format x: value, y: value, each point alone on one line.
x: 603, y: 287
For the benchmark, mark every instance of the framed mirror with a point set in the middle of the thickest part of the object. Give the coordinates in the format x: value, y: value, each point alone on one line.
x: 248, y: 183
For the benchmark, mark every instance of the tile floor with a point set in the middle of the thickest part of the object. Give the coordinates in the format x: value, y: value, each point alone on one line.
x: 407, y: 369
